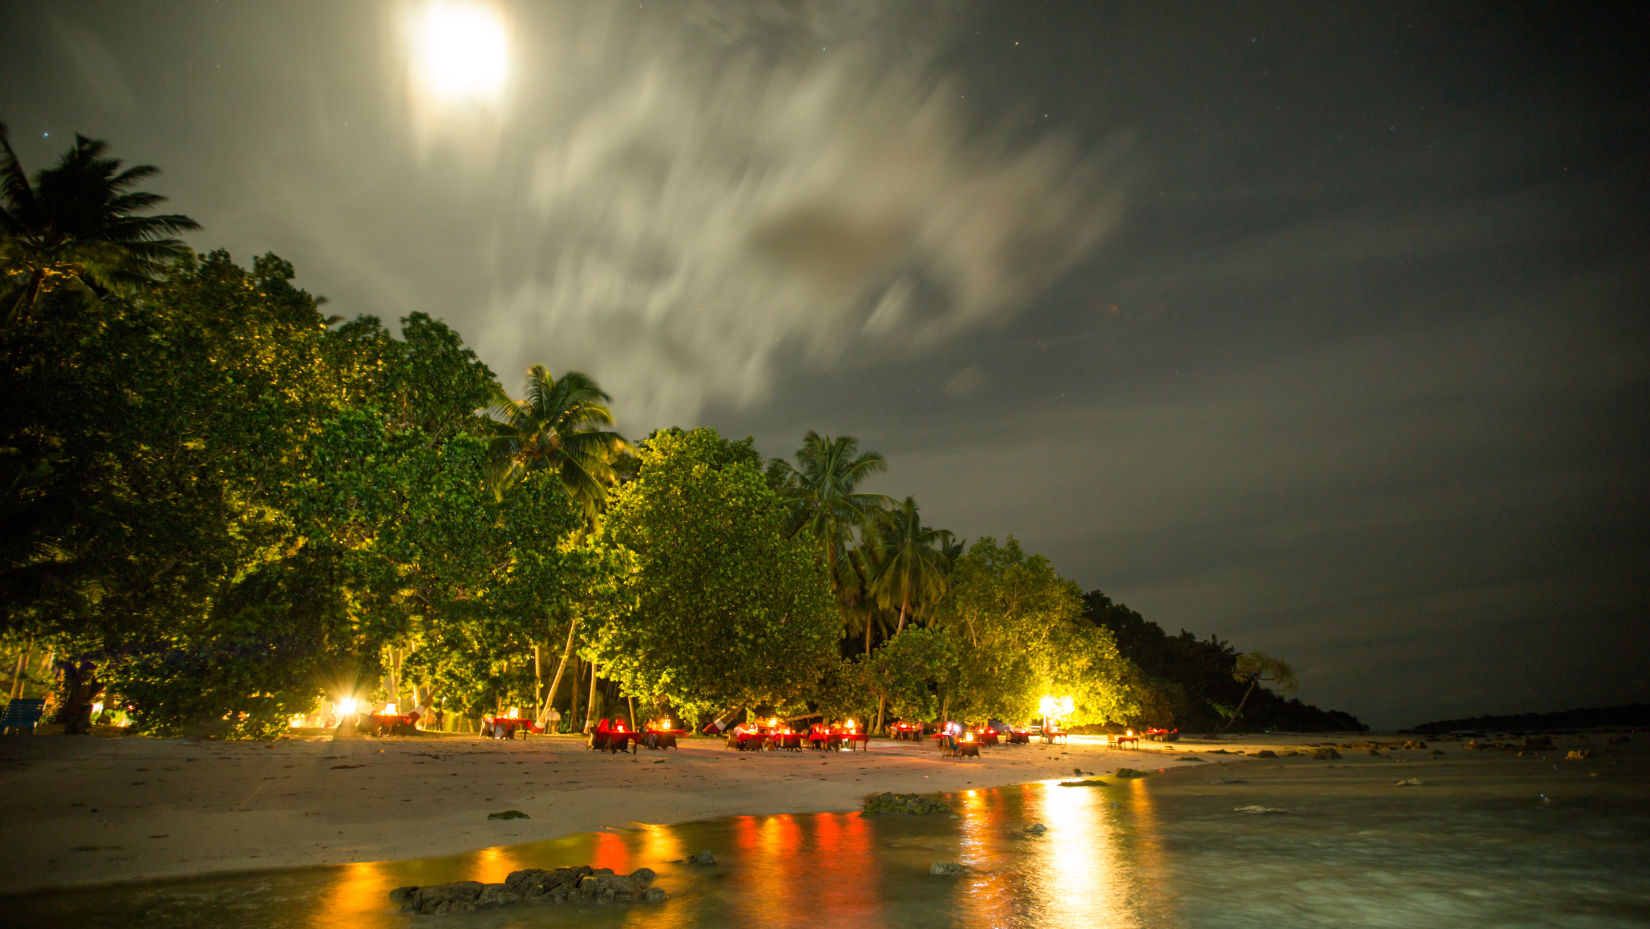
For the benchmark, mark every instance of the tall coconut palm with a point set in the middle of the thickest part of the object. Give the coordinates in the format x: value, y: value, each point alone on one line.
x: 81, y: 223
x: 554, y: 428
x: 915, y: 562
x: 914, y: 566
x: 824, y: 482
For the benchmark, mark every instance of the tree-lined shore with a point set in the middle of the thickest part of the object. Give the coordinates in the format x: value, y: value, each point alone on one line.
x: 226, y: 509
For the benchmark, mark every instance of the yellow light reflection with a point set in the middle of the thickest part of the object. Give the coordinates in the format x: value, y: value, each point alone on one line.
x: 984, y: 838
x: 493, y: 865
x: 1081, y: 879
x: 358, y: 899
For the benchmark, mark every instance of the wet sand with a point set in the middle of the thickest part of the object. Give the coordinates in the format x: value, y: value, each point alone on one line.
x: 106, y: 808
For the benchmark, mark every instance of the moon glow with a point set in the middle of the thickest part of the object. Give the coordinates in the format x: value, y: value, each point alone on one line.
x: 460, y: 53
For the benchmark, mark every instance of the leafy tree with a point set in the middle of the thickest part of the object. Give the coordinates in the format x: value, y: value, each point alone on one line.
x: 1019, y: 635
x: 81, y: 223
x: 907, y: 672
x: 426, y: 380
x: 411, y: 520
x: 1253, y: 668
x: 723, y: 607
x: 261, y: 654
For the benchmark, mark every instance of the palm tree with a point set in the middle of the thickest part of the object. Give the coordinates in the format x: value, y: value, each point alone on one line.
x: 915, y: 564
x: 824, y: 482
x: 553, y: 428
x: 83, y: 224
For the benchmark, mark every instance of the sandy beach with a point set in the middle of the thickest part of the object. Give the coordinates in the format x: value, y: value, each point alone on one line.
x: 108, y: 808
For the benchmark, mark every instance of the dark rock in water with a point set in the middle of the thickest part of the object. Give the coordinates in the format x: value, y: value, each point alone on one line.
x: 914, y: 804
x: 1436, y: 752
x: 1538, y: 741
x: 1266, y: 753
x: 532, y: 885
x: 495, y: 895
x: 457, y: 897
x: 400, y: 895
x: 508, y: 814
x: 702, y: 857
x: 538, y: 882
x: 1414, y: 743
x: 1128, y: 772
x: 1036, y: 829
x: 949, y: 868
x: 607, y: 888
x: 1326, y: 754
x: 1096, y: 782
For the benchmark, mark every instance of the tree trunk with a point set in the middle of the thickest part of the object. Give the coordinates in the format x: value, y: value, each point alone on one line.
x: 590, y: 707
x: 1252, y: 682
x: 22, y: 668
x: 538, y: 674
x: 395, y: 676
x: 573, y: 710
x: 632, y: 713
x: 550, y: 696
x: 80, y: 687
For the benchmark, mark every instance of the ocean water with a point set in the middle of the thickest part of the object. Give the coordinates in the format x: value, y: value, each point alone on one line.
x: 1504, y: 842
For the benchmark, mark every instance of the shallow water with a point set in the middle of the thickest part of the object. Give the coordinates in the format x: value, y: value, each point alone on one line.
x: 1473, y: 845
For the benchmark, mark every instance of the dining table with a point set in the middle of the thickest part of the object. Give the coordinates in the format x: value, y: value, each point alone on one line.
x: 509, y: 725
x: 391, y: 723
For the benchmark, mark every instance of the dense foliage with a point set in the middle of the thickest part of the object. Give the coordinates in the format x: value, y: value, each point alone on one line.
x: 223, y: 508
x: 723, y: 607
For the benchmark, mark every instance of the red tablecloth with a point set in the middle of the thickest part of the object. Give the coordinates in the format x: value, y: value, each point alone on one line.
x: 510, y: 724
x: 389, y: 722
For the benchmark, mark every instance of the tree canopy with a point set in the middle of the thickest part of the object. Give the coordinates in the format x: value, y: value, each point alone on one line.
x: 722, y: 606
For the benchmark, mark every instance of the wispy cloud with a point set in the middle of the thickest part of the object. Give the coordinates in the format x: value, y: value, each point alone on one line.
x: 699, y: 219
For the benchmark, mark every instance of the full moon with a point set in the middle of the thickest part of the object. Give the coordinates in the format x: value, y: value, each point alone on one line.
x: 460, y: 53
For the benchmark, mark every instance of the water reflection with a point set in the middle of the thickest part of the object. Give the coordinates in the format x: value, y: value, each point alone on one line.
x: 987, y: 898
x: 792, y: 871
x: 1131, y: 855
x: 360, y: 891
x: 1078, y: 875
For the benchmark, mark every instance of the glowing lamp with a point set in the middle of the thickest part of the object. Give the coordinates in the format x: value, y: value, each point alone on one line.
x: 346, y: 706
x: 515, y: 713
x: 296, y: 721
x: 389, y: 710
x: 850, y: 725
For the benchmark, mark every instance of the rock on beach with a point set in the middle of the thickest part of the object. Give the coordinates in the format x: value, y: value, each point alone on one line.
x: 536, y: 885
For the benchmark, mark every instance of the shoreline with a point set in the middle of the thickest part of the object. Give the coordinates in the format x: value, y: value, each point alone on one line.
x: 110, y: 809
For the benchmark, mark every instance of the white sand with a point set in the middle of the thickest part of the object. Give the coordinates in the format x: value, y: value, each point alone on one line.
x: 105, y: 808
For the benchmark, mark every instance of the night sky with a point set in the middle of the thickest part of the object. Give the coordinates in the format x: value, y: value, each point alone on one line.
x: 1321, y: 327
